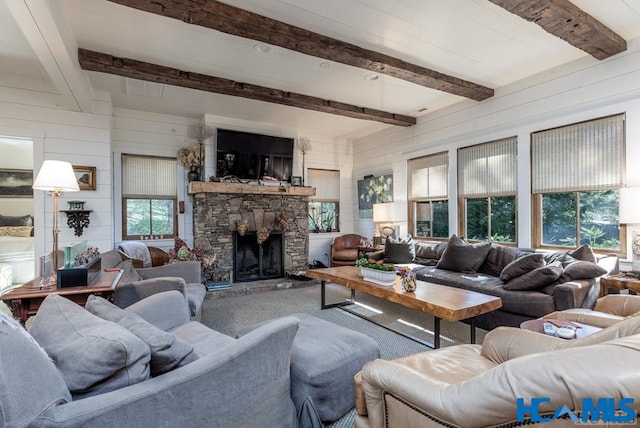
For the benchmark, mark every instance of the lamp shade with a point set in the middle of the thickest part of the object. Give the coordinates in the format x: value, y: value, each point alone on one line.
x: 629, y: 205
x: 384, y: 212
x: 56, y: 175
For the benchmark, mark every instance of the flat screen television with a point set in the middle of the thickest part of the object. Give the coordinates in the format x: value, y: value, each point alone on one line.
x: 253, y: 156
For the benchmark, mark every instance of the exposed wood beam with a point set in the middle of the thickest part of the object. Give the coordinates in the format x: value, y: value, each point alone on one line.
x: 239, y: 22
x: 565, y: 20
x: 105, y: 63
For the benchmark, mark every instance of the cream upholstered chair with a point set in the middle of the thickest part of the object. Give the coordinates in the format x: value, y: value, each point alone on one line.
x: 478, y: 386
x: 608, y: 310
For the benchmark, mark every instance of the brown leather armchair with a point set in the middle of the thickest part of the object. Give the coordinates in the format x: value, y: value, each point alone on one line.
x: 344, y: 249
x: 159, y: 257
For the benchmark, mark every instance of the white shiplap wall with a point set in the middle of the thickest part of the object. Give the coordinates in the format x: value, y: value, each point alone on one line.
x: 579, y: 91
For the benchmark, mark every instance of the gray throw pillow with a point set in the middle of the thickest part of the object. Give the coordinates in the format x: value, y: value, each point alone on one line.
x: 399, y: 251
x: 499, y: 256
x: 167, y: 351
x: 460, y: 256
x: 93, y: 355
x: 130, y: 273
x: 535, y: 279
x: 522, y: 265
x: 562, y: 257
x: 583, y: 270
x: 584, y: 252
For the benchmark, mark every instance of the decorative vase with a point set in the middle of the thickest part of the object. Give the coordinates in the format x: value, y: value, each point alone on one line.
x: 242, y: 226
x: 193, y: 175
x: 409, y: 282
x: 282, y: 220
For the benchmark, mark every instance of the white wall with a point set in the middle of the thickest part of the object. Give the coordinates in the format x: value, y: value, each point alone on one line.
x: 30, y: 109
x: 583, y: 90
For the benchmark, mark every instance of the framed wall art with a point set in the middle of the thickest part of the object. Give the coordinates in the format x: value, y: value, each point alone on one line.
x: 16, y: 183
x: 86, y: 176
x: 374, y: 190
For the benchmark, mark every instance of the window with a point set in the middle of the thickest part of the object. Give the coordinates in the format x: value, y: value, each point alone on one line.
x: 324, y: 212
x: 148, y: 197
x: 487, y: 191
x: 577, y: 171
x: 428, y: 196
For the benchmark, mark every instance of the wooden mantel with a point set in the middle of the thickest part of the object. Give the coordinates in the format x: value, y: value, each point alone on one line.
x: 211, y: 187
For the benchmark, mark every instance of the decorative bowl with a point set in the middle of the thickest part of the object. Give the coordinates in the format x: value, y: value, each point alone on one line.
x: 377, y: 276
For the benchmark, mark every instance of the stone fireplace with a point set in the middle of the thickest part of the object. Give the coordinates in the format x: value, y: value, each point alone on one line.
x: 218, y: 206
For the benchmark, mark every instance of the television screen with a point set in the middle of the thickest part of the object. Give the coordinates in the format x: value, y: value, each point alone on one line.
x: 253, y: 156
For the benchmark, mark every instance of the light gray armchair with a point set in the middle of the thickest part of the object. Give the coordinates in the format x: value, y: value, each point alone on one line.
x: 136, y: 284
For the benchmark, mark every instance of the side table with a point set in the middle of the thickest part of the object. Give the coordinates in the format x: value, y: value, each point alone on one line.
x: 25, y: 300
x: 364, y: 250
x: 620, y: 281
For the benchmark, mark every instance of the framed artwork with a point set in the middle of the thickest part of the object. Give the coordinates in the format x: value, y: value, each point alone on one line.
x: 296, y: 181
x: 16, y: 183
x: 86, y: 176
x: 373, y: 190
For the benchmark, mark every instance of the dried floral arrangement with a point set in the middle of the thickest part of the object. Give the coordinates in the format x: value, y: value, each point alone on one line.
x: 190, y: 156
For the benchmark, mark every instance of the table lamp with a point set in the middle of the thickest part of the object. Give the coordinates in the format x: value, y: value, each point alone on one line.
x: 55, y: 177
x: 384, y: 216
x: 630, y: 214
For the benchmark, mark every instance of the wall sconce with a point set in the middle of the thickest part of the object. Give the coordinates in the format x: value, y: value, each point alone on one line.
x: 630, y: 214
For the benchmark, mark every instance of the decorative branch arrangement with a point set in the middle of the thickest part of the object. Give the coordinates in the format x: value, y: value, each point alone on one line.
x: 304, y: 146
x: 200, y: 131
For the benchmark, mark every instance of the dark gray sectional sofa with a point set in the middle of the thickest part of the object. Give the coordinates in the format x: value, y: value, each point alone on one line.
x: 531, y: 284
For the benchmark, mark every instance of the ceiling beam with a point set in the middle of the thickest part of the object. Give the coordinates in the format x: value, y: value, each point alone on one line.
x: 239, y: 22
x: 105, y: 63
x: 565, y: 20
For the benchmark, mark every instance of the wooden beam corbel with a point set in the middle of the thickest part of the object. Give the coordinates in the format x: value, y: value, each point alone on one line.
x: 239, y: 22
x: 105, y: 63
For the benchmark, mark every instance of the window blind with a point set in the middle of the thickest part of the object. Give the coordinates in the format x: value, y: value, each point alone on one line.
x: 582, y: 156
x: 148, y: 176
x: 488, y: 169
x: 429, y: 176
x: 326, y: 182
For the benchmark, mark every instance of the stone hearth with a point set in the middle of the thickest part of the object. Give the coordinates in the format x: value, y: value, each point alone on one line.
x: 217, y: 207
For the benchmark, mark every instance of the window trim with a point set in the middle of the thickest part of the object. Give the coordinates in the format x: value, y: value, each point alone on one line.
x: 412, y: 219
x: 126, y: 237
x: 462, y: 216
x: 337, y: 211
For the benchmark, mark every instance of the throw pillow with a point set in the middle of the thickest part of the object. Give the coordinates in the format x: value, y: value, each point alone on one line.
x: 399, y: 251
x: 17, y: 231
x: 499, y: 256
x: 460, y: 256
x: 521, y: 266
x: 584, y: 252
x: 93, y: 355
x: 167, y: 351
x: 130, y: 273
x: 583, y: 270
x: 562, y: 257
x: 535, y: 279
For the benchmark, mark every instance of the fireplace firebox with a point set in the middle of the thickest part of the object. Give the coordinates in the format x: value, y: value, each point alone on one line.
x: 253, y: 262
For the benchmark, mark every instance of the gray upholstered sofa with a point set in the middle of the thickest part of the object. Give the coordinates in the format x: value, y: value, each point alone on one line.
x: 531, y: 284
x: 101, y: 370
x: 139, y: 283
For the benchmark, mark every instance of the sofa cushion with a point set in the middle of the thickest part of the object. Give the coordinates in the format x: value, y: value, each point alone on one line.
x: 583, y: 270
x: 521, y: 266
x: 167, y: 351
x: 402, y: 251
x: 29, y: 381
x: 584, y: 252
x: 498, y: 257
x: 535, y: 279
x: 460, y: 256
x: 346, y: 254
x: 561, y: 257
x: 93, y: 355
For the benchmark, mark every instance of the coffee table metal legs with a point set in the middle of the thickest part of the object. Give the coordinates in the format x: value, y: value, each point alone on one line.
x: 351, y: 301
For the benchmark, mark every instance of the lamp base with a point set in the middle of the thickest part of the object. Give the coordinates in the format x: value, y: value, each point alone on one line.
x: 635, y: 250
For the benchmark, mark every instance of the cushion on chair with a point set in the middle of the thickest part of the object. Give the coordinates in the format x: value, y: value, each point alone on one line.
x: 93, y: 355
x: 402, y: 251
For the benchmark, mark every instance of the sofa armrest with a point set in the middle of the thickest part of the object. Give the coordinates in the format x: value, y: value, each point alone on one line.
x: 127, y: 294
x: 572, y: 294
x: 246, y: 383
x: 189, y: 271
x: 585, y: 316
x: 622, y: 305
x: 505, y: 343
x: 165, y: 310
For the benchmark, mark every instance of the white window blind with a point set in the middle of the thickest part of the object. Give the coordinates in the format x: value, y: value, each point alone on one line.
x: 429, y: 176
x: 488, y: 169
x: 582, y: 156
x: 148, y: 176
x: 326, y: 182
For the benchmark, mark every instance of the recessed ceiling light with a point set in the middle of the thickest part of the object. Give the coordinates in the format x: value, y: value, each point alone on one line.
x: 262, y: 48
x: 371, y: 77
x: 324, y: 64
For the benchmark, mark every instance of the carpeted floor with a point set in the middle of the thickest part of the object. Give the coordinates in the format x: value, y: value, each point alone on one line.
x: 229, y: 315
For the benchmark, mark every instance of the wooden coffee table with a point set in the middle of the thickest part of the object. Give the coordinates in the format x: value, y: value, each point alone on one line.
x: 440, y: 301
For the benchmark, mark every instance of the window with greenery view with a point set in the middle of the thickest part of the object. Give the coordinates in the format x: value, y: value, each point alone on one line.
x: 487, y: 191
x: 324, y: 207
x: 428, y: 190
x: 149, y: 197
x: 577, y: 171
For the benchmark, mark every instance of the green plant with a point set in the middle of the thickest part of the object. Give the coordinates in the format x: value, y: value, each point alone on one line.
x: 363, y: 262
